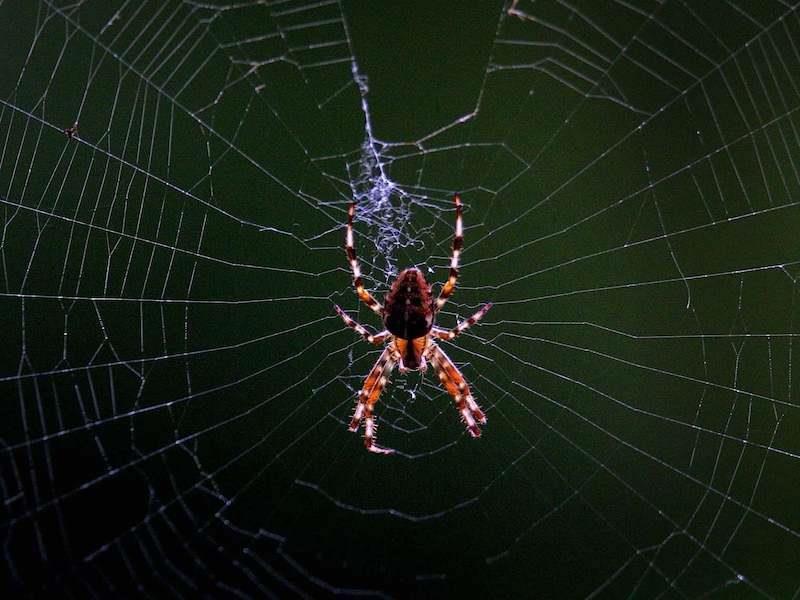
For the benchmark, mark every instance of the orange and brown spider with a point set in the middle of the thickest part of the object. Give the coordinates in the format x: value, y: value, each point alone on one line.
x: 410, y: 336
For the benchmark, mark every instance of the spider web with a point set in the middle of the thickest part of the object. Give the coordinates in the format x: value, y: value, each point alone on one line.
x: 176, y: 385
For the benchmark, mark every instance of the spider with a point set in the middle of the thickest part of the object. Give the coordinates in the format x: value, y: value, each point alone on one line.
x: 410, y: 336
x: 72, y: 132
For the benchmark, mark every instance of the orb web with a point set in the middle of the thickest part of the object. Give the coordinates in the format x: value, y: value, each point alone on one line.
x: 174, y: 181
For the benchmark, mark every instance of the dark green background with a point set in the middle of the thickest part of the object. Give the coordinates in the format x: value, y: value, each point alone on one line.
x: 176, y: 385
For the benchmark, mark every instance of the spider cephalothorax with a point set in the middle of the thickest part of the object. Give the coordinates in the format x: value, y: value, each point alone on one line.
x: 408, y: 315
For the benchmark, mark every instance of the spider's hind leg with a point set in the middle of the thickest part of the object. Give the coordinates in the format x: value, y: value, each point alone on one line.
x: 368, y: 397
x: 455, y: 384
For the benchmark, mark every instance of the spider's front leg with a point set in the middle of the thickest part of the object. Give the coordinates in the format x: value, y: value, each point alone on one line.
x: 368, y: 396
x: 350, y: 249
x: 455, y: 384
x: 458, y: 245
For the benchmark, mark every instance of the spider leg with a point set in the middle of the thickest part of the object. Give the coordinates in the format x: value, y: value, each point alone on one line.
x: 371, y: 337
x: 449, y: 334
x: 458, y: 244
x: 455, y: 384
x: 368, y: 396
x: 350, y: 249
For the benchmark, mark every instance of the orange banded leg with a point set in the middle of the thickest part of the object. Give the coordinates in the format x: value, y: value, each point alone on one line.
x: 458, y: 243
x: 350, y: 249
x: 368, y: 397
x: 455, y: 384
x: 449, y: 334
x: 372, y: 338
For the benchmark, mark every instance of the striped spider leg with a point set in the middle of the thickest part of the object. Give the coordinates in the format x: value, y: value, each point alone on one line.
x: 368, y: 397
x: 449, y: 334
x: 350, y: 249
x: 455, y: 384
x: 458, y: 244
x: 372, y: 338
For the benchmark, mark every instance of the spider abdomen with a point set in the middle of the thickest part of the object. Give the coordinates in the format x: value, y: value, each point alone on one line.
x: 408, y: 307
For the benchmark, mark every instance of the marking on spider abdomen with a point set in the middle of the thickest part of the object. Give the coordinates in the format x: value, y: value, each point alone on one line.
x: 408, y: 310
